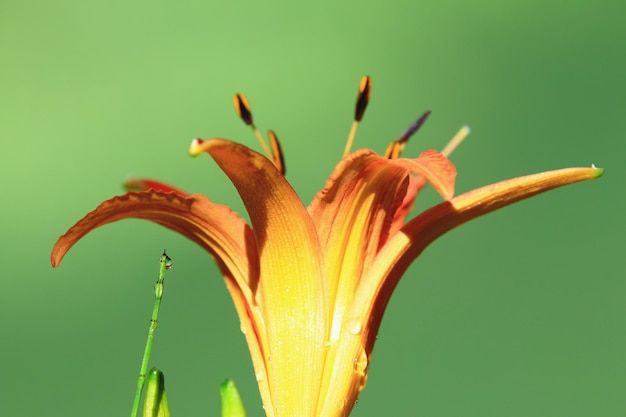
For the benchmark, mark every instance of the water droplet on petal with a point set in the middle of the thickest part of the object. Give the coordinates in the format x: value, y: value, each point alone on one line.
x: 361, y: 363
x: 260, y: 375
x: 354, y: 326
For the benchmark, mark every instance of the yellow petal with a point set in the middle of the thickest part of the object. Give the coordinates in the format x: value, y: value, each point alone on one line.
x: 291, y: 291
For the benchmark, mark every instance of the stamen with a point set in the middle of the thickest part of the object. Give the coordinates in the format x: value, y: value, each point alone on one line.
x: 351, y: 136
x: 396, y: 147
x: 393, y: 150
x: 277, y: 151
x: 456, y: 141
x: 365, y: 89
x: 413, y: 128
x: 242, y: 107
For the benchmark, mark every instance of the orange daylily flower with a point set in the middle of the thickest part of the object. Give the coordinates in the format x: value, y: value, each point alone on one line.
x: 310, y: 284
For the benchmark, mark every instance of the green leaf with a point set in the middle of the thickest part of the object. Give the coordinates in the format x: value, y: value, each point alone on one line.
x: 155, y: 404
x: 231, y: 401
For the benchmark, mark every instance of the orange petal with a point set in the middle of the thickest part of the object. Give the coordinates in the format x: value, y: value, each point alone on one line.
x: 354, y: 212
x: 403, y: 247
x: 214, y: 227
x: 431, y: 167
x: 414, y: 187
x: 436, y: 168
x: 353, y: 215
x: 291, y: 291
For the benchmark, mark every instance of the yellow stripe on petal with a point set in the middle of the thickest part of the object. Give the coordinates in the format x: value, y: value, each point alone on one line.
x: 353, y: 214
x: 291, y: 288
x: 358, y: 206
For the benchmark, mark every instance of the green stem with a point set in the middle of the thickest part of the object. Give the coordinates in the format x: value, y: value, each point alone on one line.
x: 166, y: 263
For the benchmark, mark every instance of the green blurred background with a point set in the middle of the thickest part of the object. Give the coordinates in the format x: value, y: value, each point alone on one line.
x: 520, y: 313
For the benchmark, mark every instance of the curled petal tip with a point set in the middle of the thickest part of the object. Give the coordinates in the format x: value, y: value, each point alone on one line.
x: 58, y: 252
x: 582, y: 174
x: 598, y: 171
x: 195, y: 148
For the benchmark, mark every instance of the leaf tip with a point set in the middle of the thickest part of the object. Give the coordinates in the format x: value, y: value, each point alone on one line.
x: 58, y: 251
x: 232, y: 406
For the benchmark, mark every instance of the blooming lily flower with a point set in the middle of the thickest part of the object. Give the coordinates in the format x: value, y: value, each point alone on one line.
x: 310, y: 284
